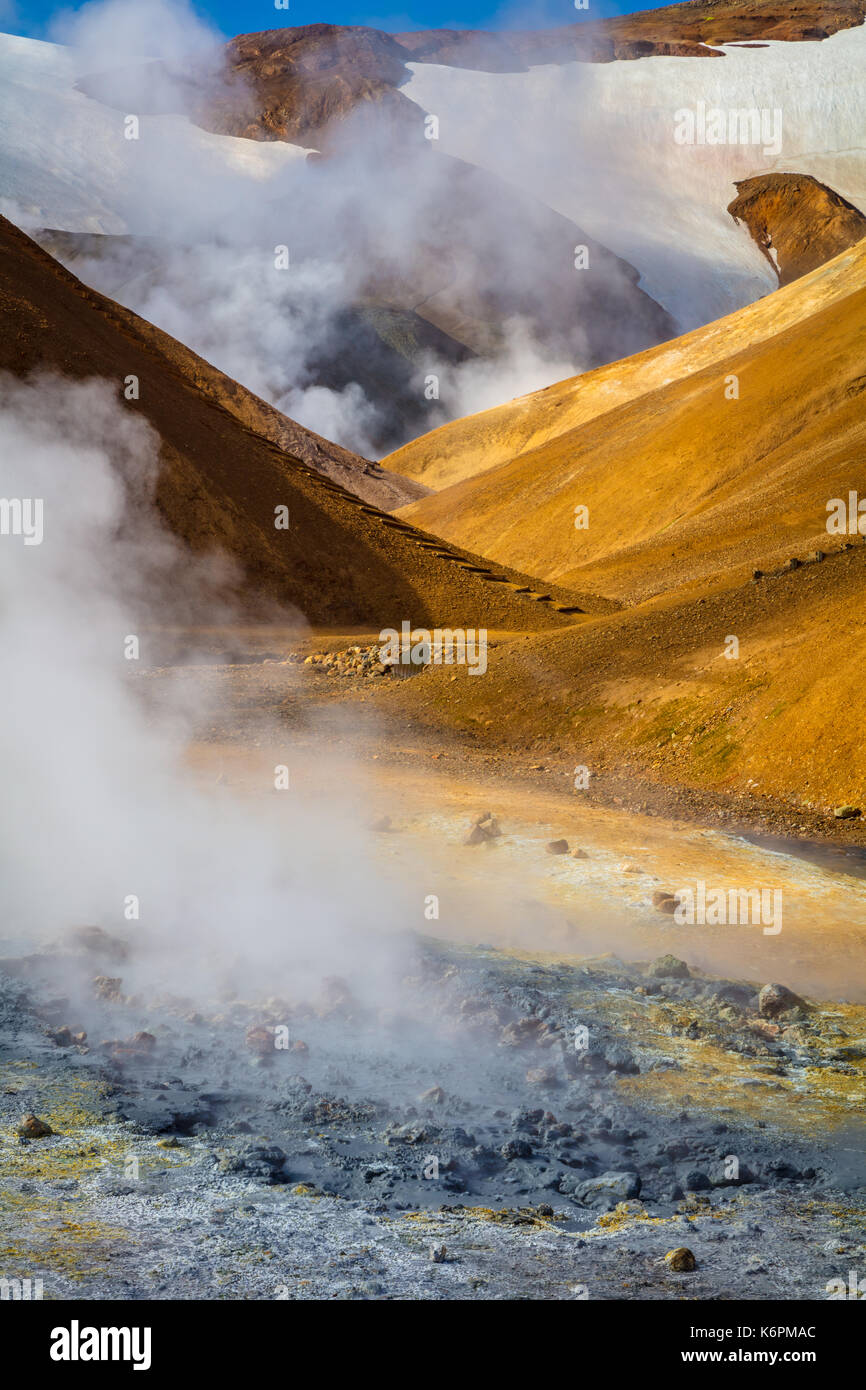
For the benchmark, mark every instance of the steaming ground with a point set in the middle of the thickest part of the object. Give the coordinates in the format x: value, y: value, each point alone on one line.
x: 241, y: 1056
x: 451, y: 1146
x: 429, y: 1122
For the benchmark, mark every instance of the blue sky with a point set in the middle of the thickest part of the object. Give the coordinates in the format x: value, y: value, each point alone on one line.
x: 33, y: 17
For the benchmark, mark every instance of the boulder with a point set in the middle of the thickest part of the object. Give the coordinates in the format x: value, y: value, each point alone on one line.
x: 619, y: 1187
x: 485, y: 829
x: 778, y: 999
x: 681, y: 1260
x: 669, y: 968
x: 31, y: 1127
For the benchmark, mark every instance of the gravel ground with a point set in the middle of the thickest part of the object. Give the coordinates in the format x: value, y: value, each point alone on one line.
x: 509, y: 1129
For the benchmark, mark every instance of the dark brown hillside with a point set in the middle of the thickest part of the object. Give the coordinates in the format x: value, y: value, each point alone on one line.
x: 341, y: 561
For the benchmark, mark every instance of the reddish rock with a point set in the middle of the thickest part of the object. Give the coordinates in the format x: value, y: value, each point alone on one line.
x: 778, y: 999
x: 797, y: 222
x: 260, y: 1039
x: 127, y: 1049
x: 31, y: 1127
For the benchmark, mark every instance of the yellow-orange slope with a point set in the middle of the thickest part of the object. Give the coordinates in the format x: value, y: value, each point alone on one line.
x: 710, y: 456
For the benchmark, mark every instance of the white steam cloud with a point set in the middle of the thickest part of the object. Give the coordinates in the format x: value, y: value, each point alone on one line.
x: 362, y: 229
x: 98, y: 802
x: 117, y: 31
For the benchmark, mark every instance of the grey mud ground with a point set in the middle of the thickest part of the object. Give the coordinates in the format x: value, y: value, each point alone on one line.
x: 206, y: 1169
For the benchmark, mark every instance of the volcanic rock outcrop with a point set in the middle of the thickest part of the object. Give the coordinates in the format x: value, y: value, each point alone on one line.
x: 797, y: 222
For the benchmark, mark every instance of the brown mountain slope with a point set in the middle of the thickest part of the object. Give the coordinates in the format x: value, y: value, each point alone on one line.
x: 649, y: 694
x: 685, y: 482
x: 797, y: 222
x: 341, y: 561
x: 711, y: 22
x: 475, y: 443
x: 685, y: 30
x: 80, y: 251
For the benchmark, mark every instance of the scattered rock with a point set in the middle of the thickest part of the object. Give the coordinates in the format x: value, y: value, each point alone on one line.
x: 260, y: 1039
x: 669, y: 968
x: 766, y: 1029
x: 542, y: 1076
x: 264, y: 1161
x: 516, y: 1148
x: 122, y: 1049
x: 665, y: 902
x: 579, y: 854
x: 619, y: 1186
x: 438, y: 1253
x: 523, y: 1032
x: 695, y: 1181
x: 721, y: 1174
x: 557, y: 847
x: 485, y: 829
x: 31, y: 1127
x: 681, y: 1260
x: 354, y: 661
x: 435, y: 1096
x: 619, y: 1059
x: 778, y: 999
x: 847, y: 812
x: 337, y: 999
x: 107, y: 987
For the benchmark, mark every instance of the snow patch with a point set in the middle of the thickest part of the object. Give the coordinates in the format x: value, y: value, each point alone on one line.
x: 65, y: 163
x: 595, y: 141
